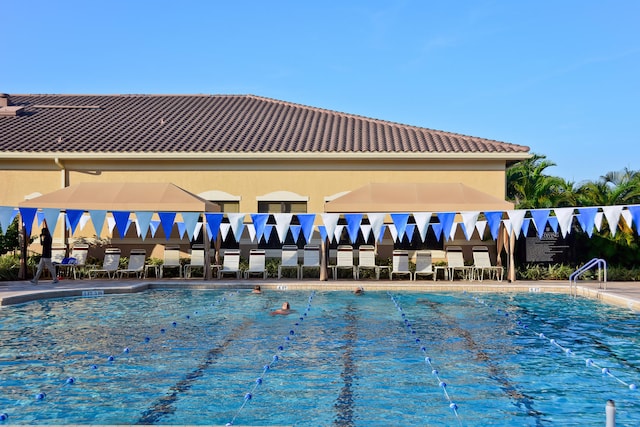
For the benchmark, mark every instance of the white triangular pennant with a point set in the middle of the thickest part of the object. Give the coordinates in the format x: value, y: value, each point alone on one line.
x: 469, y: 219
x: 612, y: 213
x: 377, y: 221
x: 366, y: 231
x: 283, y: 220
x: 516, y: 217
x: 565, y: 216
x: 481, y: 226
x: 330, y: 221
x: 422, y: 220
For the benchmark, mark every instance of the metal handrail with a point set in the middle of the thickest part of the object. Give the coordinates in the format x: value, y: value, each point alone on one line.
x: 602, y: 266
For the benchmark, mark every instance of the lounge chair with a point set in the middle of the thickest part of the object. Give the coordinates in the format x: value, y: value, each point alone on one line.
x: 367, y: 260
x: 344, y: 261
x: 400, y: 264
x: 311, y: 259
x: 289, y: 260
x: 256, y: 264
x: 455, y: 263
x: 78, y: 258
x: 424, y: 266
x: 171, y: 260
x: 196, y: 261
x: 230, y: 263
x: 109, y: 265
x: 482, y: 263
x: 135, y: 267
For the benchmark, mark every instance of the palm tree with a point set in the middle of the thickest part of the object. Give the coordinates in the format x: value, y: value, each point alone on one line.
x: 613, y: 188
x: 529, y: 187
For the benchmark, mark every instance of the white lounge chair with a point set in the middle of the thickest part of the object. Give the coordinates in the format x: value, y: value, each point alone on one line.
x: 196, y: 261
x: 455, y: 263
x: 400, y: 264
x: 311, y: 259
x: 482, y: 263
x: 367, y: 260
x: 344, y: 261
x: 256, y: 264
x: 289, y: 260
x: 135, y: 267
x: 171, y: 260
x: 109, y: 265
x: 230, y: 263
x: 77, y: 259
x: 424, y: 265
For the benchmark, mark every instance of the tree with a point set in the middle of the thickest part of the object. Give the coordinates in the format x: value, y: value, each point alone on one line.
x: 10, y: 239
x: 529, y: 187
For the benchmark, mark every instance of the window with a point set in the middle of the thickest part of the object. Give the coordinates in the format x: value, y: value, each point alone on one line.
x: 282, y: 207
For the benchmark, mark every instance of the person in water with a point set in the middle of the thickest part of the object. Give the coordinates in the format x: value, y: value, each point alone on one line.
x: 359, y: 291
x: 256, y: 289
x: 285, y: 309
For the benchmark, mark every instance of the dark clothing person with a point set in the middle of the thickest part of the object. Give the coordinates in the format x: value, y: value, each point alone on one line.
x: 46, y: 241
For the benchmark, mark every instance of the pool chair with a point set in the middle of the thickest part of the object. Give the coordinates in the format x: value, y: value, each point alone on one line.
x: 78, y: 259
x: 58, y: 255
x: 256, y: 264
x: 400, y: 264
x: 196, y: 261
x: 109, y: 265
x: 455, y: 263
x: 482, y: 263
x: 230, y: 264
x: 135, y: 267
x: 289, y: 260
x: 367, y: 261
x: 344, y: 261
x: 171, y: 260
x: 310, y: 259
x: 424, y: 266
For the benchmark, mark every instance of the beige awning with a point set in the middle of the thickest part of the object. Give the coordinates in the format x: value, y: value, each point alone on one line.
x: 155, y: 197
x: 416, y: 197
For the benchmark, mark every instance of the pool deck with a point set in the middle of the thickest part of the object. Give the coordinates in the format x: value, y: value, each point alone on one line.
x: 623, y: 294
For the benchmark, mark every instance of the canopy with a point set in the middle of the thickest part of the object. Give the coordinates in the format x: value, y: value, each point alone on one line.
x: 416, y: 197
x: 155, y: 197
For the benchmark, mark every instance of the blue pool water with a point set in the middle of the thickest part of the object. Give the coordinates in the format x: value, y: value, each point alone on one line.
x: 209, y: 358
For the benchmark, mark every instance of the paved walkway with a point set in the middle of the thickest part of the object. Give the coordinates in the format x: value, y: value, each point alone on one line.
x: 623, y: 294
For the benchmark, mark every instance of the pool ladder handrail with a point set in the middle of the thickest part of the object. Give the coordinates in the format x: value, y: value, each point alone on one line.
x: 602, y: 274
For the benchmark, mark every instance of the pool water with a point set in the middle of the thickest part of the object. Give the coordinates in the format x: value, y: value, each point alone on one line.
x: 382, y: 358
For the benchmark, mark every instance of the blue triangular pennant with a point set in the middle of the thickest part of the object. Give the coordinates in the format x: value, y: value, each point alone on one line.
x: 323, y: 232
x: 7, y: 214
x: 167, y: 219
x: 190, y: 221
x: 446, y: 219
x: 73, y: 216
x: 553, y: 223
x: 295, y: 231
x: 353, y: 225
x: 144, y: 221
x: 122, y: 221
x: 306, y: 223
x: 400, y: 221
x: 437, y: 229
x: 28, y: 214
x: 493, y: 220
x: 51, y: 215
x: 259, y: 221
x: 97, y: 218
x: 587, y: 219
x: 540, y: 218
x: 635, y: 215
x: 213, y: 222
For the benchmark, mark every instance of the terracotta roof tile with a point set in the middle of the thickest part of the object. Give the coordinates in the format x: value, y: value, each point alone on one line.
x: 213, y: 123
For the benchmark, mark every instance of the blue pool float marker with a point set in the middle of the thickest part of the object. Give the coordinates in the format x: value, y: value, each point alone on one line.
x: 71, y: 380
x: 41, y: 396
x: 4, y: 416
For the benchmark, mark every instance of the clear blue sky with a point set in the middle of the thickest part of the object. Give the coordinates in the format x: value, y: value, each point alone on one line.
x: 562, y: 77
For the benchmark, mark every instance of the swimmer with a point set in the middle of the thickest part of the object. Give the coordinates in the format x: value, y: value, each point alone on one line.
x: 285, y: 309
x: 359, y: 291
x: 256, y: 290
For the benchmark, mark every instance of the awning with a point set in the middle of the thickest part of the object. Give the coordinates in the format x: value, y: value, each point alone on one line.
x: 155, y: 197
x: 416, y: 197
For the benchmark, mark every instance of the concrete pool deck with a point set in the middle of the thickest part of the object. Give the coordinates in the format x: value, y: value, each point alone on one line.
x: 622, y: 294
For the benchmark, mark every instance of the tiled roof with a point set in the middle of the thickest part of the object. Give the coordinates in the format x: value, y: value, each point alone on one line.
x: 215, y: 124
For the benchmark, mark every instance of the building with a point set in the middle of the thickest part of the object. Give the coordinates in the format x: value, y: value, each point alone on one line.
x: 244, y: 152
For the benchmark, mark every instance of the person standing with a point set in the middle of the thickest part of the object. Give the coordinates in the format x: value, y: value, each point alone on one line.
x: 46, y: 241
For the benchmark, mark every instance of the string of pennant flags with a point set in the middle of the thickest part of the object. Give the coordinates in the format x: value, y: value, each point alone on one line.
x: 519, y: 220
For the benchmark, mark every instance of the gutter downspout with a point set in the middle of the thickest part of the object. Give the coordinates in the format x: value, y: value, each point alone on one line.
x: 64, y: 183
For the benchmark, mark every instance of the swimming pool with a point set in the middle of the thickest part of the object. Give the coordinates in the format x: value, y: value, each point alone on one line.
x: 400, y: 358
